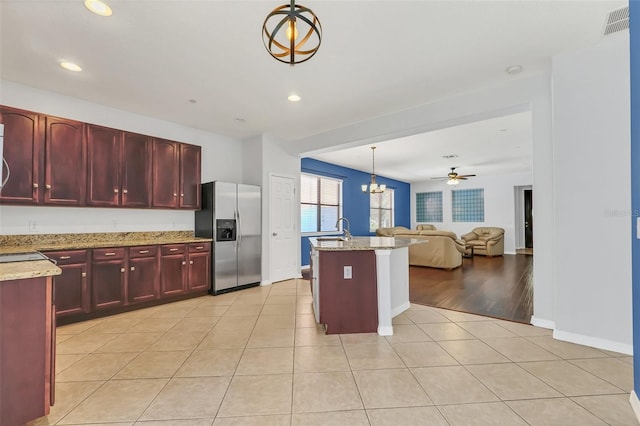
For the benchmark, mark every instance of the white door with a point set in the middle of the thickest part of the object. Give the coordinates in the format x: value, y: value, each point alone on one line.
x: 284, y: 241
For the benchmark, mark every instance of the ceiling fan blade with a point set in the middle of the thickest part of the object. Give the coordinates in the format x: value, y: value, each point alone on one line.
x: 465, y: 176
x: 439, y: 178
x: 461, y: 178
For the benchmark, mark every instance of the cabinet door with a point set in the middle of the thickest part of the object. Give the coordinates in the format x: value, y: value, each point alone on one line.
x: 189, y: 177
x: 166, y: 156
x: 107, y: 279
x: 199, y: 277
x: 143, y: 280
x: 172, y: 274
x: 65, y: 162
x: 22, y: 146
x: 136, y: 170
x: 71, y: 290
x: 103, y: 178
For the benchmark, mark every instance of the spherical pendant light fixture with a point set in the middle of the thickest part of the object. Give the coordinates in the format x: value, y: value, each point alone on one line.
x: 292, y: 33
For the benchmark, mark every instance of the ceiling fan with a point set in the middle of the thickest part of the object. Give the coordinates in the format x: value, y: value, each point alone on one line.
x: 454, y: 178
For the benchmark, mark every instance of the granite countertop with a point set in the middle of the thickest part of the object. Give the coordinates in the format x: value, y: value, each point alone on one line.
x: 364, y: 243
x: 50, y: 242
x: 31, y: 269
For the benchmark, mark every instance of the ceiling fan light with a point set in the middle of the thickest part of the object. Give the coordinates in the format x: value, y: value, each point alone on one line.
x: 382, y: 187
x: 365, y: 188
x: 453, y: 182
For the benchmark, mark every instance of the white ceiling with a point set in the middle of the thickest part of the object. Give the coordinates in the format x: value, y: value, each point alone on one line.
x: 376, y: 57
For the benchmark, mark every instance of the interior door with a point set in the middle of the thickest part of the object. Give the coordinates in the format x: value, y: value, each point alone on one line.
x: 284, y: 240
x: 528, y: 218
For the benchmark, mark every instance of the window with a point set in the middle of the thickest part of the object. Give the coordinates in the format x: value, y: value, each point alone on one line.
x: 320, y: 203
x: 429, y: 206
x: 467, y: 205
x: 381, y: 210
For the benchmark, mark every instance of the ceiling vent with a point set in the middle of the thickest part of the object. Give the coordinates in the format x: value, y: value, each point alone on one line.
x: 618, y: 20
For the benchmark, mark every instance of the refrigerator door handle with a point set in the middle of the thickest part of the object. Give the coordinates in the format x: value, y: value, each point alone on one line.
x: 238, y: 228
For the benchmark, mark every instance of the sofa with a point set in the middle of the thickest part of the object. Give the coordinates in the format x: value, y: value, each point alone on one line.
x: 486, y: 240
x: 444, y: 250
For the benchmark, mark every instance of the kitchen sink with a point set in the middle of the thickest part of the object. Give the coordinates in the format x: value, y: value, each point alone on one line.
x: 330, y: 239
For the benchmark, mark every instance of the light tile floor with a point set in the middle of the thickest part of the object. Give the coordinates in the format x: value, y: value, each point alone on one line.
x: 256, y: 357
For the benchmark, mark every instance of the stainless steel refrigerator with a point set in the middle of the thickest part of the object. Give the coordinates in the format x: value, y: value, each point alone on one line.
x: 231, y: 215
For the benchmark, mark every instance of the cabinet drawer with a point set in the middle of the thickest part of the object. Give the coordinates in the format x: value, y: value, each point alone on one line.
x: 109, y: 253
x: 199, y: 247
x: 173, y: 249
x: 142, y: 251
x: 68, y: 257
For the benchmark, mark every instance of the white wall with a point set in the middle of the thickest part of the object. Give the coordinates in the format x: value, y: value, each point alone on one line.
x: 591, y: 141
x: 499, y: 204
x: 221, y: 159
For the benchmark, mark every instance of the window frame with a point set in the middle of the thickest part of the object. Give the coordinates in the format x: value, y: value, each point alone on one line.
x: 379, y: 208
x: 319, y: 205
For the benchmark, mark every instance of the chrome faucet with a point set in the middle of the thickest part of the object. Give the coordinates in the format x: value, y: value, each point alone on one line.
x: 347, y: 233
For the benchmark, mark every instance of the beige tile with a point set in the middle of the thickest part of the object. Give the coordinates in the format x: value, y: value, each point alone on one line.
x: 207, y: 310
x: 250, y: 299
x: 115, y: 325
x: 456, y: 316
x: 485, y: 329
x: 524, y: 330
x: 305, y: 321
x: 238, y: 309
x: 64, y: 361
x: 390, y: 388
x: 276, y: 321
x: 214, y: 362
x: 268, y: 337
x: 445, y: 331
x: 361, y: 338
x: 315, y: 359
x: 304, y: 299
x: 84, y: 343
x: 96, y: 367
x: 401, y: 319
x: 266, y: 361
x: 130, y: 342
x: 283, y: 291
x: 613, y: 370
x: 410, y: 416
x: 78, y: 327
x: 569, y: 379
x: 194, y: 422
x: 281, y: 300
x: 225, y: 299
x: 509, y: 381
x: 171, y: 310
x: 335, y: 418
x: 452, y: 385
x: 491, y: 413
x: 423, y: 354
x: 256, y: 395
x: 304, y: 308
x: 626, y: 359
x: 556, y: 411
x: 372, y: 356
x: 68, y: 395
x: 613, y: 409
x: 315, y: 337
x: 116, y: 401
x: 236, y: 323
x: 270, y: 420
x: 62, y: 337
x: 225, y: 339
x: 317, y: 392
x: 188, y: 398
x: 407, y: 333
x: 154, y: 325
x: 288, y: 309
x: 566, y: 350
x: 424, y: 316
x: 177, y: 341
x: 194, y: 325
x: 472, y: 352
x: 153, y: 365
x: 519, y: 349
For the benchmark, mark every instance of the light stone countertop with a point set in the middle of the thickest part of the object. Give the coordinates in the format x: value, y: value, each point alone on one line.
x: 30, y: 269
x: 363, y: 243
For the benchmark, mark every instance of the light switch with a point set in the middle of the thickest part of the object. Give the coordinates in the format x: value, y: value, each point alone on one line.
x: 638, y: 228
x: 348, y: 270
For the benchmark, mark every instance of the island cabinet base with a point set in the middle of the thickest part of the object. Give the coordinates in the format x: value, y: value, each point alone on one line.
x: 348, y: 305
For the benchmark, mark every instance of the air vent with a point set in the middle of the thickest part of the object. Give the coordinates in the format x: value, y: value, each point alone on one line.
x: 618, y: 20
x: 446, y: 157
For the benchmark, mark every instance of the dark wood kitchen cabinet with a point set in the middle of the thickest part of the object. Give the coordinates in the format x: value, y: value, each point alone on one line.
x: 189, y: 177
x: 136, y: 170
x: 65, y: 162
x: 71, y: 288
x: 199, y: 275
x: 166, y: 163
x: 173, y: 269
x: 108, y: 274
x: 23, y: 143
x: 143, y: 277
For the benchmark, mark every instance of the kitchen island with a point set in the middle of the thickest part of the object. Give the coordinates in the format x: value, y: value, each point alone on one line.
x: 359, y: 285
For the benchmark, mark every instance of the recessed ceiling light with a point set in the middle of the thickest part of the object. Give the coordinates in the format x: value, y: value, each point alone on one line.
x: 294, y: 98
x: 446, y: 157
x: 240, y: 120
x: 192, y: 101
x: 70, y: 66
x: 98, y: 7
x: 514, y: 69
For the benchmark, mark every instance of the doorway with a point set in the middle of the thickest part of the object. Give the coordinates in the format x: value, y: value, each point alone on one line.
x: 283, y: 214
x: 528, y: 218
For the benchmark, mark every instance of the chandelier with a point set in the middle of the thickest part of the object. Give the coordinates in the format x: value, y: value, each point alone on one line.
x: 287, y: 30
x: 373, y: 187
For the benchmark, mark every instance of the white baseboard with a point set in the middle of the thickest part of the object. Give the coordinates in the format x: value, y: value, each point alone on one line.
x: 635, y: 404
x: 400, y: 309
x: 594, y: 342
x: 543, y: 323
x: 265, y: 282
x: 385, y: 331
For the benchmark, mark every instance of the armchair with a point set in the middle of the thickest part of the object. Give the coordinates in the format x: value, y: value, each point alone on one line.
x: 488, y: 241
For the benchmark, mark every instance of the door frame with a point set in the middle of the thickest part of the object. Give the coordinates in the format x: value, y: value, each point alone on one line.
x: 296, y: 224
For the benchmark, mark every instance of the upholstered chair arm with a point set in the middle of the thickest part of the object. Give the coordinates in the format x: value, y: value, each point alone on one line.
x: 469, y: 236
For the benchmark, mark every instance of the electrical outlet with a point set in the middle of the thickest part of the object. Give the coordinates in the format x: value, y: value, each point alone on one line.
x: 348, y: 272
x: 114, y: 224
x: 638, y: 228
x: 33, y: 226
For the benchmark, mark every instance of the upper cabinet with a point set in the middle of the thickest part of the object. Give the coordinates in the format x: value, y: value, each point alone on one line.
x: 56, y: 161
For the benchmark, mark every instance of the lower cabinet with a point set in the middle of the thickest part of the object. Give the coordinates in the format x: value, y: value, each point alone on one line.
x: 173, y: 271
x: 108, y: 278
x: 199, y: 277
x: 143, y: 274
x: 71, y: 289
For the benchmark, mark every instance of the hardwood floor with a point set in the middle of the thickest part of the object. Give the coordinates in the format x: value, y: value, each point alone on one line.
x: 499, y: 287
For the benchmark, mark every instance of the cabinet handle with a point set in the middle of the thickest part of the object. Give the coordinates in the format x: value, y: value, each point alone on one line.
x: 124, y: 191
x: 191, y: 262
x: 110, y: 254
x: 65, y: 257
x: 184, y: 262
x: 182, y: 195
x: 115, y: 190
x: 199, y: 247
x: 175, y: 195
x: 35, y: 185
x: 143, y: 251
x: 47, y: 186
x: 84, y: 275
x: 122, y: 270
x: 133, y: 268
x: 173, y: 249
